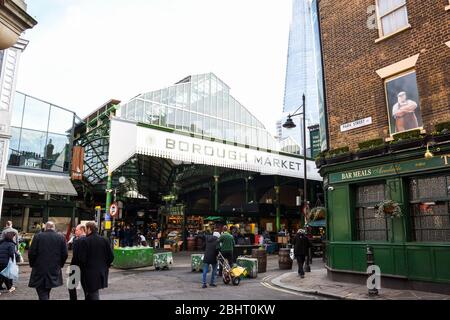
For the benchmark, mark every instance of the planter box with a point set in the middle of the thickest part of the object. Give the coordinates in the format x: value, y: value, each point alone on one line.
x: 370, y: 152
x: 340, y: 158
x: 250, y: 264
x: 133, y: 257
x: 162, y: 260
x: 406, y: 145
x: 197, y: 262
x: 441, y: 138
x: 320, y: 162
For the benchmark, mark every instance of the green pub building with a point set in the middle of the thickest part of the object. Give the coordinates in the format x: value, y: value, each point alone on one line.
x: 388, y: 118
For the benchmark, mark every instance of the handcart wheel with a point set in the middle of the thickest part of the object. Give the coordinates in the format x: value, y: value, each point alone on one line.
x: 226, y: 279
x: 236, y: 281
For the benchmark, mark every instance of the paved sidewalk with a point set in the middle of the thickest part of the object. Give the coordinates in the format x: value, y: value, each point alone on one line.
x: 316, y: 282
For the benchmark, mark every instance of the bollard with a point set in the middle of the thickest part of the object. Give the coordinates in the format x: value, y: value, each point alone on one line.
x: 371, y: 262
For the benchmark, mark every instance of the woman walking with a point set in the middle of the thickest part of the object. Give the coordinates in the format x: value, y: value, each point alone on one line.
x: 7, y: 251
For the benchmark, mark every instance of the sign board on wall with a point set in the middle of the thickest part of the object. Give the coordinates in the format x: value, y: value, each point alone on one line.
x: 77, y: 163
x: 314, y: 136
x: 128, y: 138
x: 356, y: 124
x: 391, y: 169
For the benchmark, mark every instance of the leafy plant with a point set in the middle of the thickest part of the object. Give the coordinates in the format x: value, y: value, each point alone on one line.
x: 337, y: 152
x: 407, y: 136
x: 317, y: 213
x: 388, y: 208
x: 371, y: 144
x: 442, y: 128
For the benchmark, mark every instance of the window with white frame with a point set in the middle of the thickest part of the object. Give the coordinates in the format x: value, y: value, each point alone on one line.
x: 392, y: 16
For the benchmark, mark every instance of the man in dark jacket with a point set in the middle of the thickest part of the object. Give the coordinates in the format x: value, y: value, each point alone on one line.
x: 95, y: 257
x: 210, y: 257
x: 80, y: 233
x: 47, y: 255
x: 301, y: 249
x: 7, y: 251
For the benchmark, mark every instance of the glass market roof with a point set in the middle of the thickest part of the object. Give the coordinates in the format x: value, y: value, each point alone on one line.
x: 200, y: 104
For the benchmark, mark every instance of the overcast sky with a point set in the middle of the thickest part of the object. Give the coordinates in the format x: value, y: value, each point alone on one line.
x: 85, y: 52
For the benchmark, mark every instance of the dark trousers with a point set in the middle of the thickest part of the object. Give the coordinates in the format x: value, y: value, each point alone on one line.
x: 73, y: 294
x: 92, y: 295
x: 6, y: 281
x: 301, y: 262
x: 43, y: 293
x: 229, y: 256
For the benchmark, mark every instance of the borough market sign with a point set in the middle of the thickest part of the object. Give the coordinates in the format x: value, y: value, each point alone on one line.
x: 391, y: 169
x: 127, y: 139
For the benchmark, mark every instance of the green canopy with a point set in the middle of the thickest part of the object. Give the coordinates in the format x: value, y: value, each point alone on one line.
x: 214, y: 218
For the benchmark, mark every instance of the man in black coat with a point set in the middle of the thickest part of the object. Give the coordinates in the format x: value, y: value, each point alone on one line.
x: 210, y: 257
x: 301, y: 249
x: 95, y: 257
x: 80, y: 234
x: 47, y: 255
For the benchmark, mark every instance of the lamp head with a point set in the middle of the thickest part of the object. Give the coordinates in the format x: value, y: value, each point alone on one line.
x: 289, y: 124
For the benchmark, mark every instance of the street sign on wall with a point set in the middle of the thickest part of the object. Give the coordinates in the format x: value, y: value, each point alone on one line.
x: 113, y: 210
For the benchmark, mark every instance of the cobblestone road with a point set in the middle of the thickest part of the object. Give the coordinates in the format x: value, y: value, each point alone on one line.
x: 179, y: 283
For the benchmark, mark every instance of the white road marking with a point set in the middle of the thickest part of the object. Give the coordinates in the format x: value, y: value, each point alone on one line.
x: 265, y: 283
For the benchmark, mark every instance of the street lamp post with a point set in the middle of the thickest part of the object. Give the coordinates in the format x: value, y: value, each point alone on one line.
x: 289, y: 124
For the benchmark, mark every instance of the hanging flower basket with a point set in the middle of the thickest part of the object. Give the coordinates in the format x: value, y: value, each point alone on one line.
x: 388, y: 209
x: 317, y: 213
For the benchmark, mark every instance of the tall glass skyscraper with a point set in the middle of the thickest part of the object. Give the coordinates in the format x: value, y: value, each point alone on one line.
x: 301, y: 71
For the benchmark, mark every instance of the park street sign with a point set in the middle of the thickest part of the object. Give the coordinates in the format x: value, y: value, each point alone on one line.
x: 356, y: 124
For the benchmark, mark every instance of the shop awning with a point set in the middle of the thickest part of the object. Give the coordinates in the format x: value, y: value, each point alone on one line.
x: 39, y: 183
x: 318, y: 223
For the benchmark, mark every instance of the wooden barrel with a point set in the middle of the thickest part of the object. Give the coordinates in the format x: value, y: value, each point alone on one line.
x: 191, y: 244
x: 261, y: 256
x: 284, y: 259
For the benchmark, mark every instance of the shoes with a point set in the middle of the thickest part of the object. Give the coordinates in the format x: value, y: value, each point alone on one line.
x: 204, y: 286
x: 12, y: 289
x: 302, y: 276
x: 213, y: 285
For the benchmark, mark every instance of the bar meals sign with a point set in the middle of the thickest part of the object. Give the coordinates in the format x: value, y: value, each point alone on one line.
x: 356, y: 124
x: 391, y: 169
x: 128, y: 138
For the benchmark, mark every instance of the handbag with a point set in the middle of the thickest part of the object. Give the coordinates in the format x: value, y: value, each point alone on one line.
x: 12, y: 270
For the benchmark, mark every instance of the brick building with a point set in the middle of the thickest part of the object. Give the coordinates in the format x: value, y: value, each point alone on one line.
x: 386, y: 65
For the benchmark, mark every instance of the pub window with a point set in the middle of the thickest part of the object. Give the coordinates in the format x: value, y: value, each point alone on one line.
x: 368, y: 226
x: 392, y: 16
x: 430, y: 208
